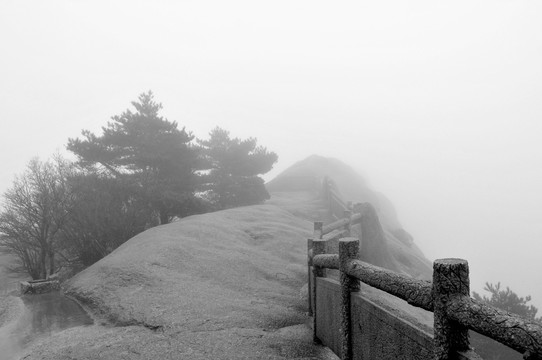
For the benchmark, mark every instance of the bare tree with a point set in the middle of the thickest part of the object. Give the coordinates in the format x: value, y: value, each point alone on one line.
x: 34, y: 211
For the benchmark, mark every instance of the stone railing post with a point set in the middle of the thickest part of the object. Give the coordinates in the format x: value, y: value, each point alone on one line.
x: 450, y: 278
x: 318, y: 248
x: 347, y: 215
x: 309, y: 274
x: 348, y: 250
x: 317, y: 234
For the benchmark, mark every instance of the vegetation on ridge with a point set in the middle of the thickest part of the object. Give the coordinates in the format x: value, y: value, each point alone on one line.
x: 232, y: 168
x: 143, y: 170
x: 148, y: 153
x: 506, y: 300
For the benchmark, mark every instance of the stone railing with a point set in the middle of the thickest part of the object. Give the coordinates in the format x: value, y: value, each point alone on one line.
x: 333, y: 199
x: 358, y: 335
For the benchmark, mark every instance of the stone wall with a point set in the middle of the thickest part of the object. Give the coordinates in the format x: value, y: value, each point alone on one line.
x: 39, y: 286
x: 377, y: 332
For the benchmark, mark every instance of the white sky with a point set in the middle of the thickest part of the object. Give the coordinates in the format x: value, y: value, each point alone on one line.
x: 438, y: 104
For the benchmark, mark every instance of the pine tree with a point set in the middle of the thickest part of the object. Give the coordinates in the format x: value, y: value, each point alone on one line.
x: 149, y: 153
x: 506, y: 300
x: 233, y: 169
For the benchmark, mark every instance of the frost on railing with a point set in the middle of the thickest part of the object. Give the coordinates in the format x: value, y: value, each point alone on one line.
x: 447, y: 296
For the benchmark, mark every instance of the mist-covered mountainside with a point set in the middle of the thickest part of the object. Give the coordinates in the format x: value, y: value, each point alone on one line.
x: 308, y: 174
x: 399, y: 253
x: 224, y: 285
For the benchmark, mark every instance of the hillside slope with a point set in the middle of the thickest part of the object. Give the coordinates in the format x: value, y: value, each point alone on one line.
x: 224, y: 285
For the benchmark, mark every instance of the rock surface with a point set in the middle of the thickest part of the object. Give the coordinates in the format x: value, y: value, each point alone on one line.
x: 223, y: 286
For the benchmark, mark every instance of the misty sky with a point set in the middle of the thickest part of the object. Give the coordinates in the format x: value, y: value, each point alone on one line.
x: 438, y: 104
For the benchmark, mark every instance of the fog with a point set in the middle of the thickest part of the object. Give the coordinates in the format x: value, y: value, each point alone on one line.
x: 436, y: 104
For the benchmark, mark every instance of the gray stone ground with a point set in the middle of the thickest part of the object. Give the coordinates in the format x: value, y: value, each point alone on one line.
x: 136, y: 342
x: 224, y: 285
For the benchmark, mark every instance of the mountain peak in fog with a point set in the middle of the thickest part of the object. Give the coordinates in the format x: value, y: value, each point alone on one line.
x: 308, y: 175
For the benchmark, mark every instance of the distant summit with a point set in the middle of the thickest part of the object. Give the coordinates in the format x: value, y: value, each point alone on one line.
x: 309, y: 174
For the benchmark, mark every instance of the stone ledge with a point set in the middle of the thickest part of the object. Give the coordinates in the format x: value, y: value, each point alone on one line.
x: 38, y: 286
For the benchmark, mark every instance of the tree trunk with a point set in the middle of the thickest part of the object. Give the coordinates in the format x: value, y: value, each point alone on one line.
x: 43, y: 264
x: 51, y: 262
x: 164, y: 217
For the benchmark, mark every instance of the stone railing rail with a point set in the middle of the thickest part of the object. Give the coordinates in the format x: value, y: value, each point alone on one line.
x: 447, y: 296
